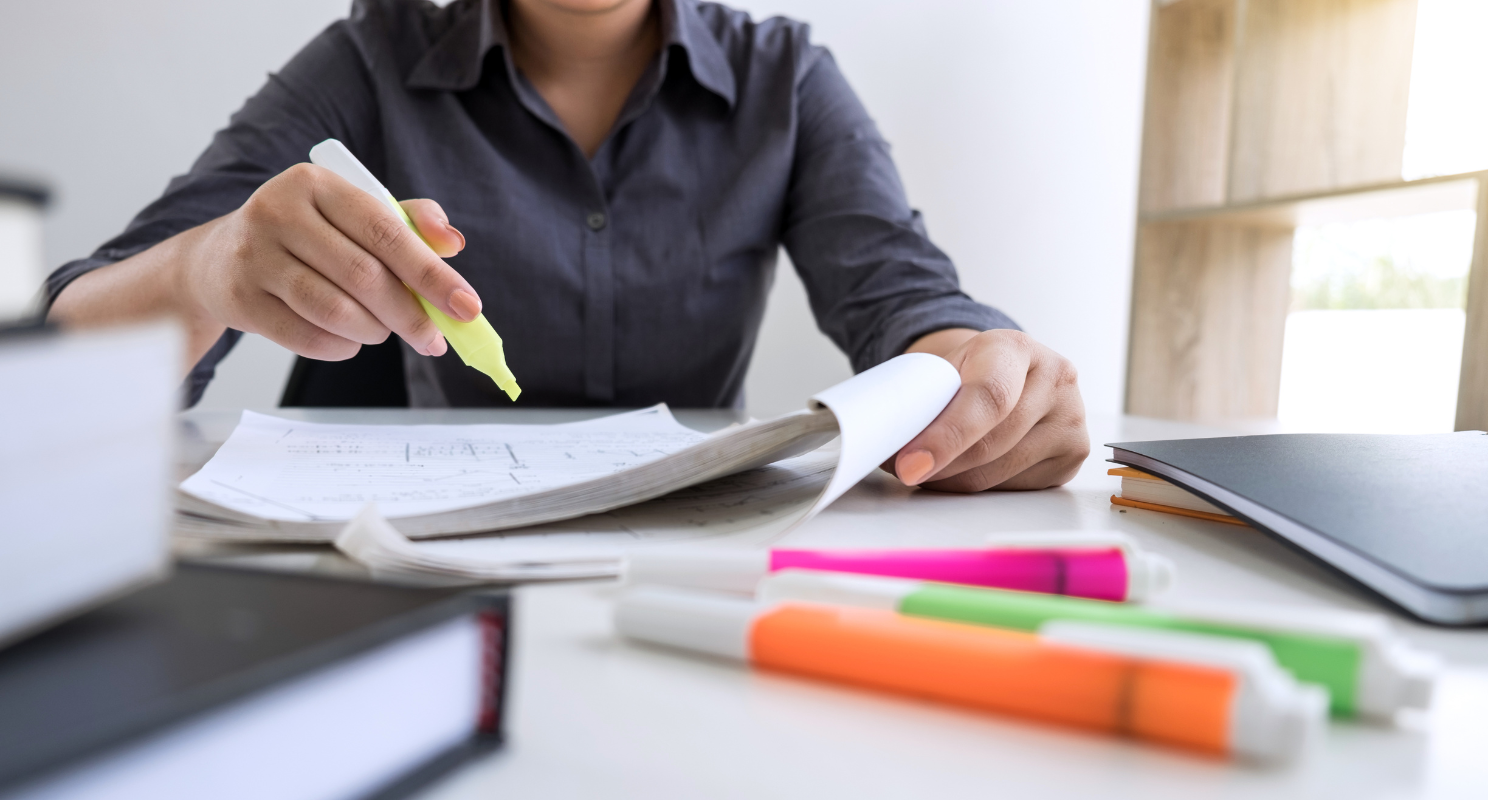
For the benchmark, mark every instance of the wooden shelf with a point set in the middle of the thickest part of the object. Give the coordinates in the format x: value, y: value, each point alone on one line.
x: 1186, y: 124
x: 1320, y: 95
x: 1472, y: 387
x: 1209, y: 310
x: 1398, y: 198
x: 1263, y: 116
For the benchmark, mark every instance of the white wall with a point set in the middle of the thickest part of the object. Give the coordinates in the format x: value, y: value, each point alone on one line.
x: 1014, y: 123
x: 107, y: 99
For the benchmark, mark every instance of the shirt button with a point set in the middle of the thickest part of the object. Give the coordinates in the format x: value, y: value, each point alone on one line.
x: 596, y: 220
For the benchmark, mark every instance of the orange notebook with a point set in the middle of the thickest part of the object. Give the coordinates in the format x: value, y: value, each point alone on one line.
x: 1141, y: 490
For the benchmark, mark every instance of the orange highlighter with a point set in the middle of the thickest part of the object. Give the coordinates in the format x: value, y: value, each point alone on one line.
x: 1217, y: 696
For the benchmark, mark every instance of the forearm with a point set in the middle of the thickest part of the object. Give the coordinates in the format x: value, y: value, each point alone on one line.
x: 149, y: 285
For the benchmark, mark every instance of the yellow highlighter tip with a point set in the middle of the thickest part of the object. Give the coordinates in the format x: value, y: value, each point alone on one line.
x: 492, y: 362
x: 509, y: 385
x: 477, y: 344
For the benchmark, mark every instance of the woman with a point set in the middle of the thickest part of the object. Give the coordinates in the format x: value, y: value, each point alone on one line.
x: 624, y: 172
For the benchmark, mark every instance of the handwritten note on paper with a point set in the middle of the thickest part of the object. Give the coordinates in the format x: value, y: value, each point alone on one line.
x: 288, y: 470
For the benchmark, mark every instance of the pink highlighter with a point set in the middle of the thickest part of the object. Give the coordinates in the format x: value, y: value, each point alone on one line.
x: 1099, y: 565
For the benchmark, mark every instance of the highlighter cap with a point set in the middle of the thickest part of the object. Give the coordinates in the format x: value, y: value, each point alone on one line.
x: 1396, y: 676
x: 1147, y: 574
x: 1274, y: 718
x: 737, y: 571
x: 835, y: 588
x: 1393, y: 675
x: 701, y: 622
x: 333, y: 155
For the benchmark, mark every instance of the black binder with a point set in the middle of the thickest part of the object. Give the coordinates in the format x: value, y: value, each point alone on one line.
x: 145, y: 682
x: 1405, y: 516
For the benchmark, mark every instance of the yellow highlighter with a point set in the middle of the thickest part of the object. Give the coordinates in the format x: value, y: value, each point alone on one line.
x: 476, y: 341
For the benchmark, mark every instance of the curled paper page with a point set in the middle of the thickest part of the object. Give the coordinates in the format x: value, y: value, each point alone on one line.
x: 372, y: 541
x: 880, y: 410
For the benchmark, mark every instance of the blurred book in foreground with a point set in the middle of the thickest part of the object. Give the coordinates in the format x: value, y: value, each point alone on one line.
x: 236, y: 685
x: 1141, y: 490
x: 85, y: 467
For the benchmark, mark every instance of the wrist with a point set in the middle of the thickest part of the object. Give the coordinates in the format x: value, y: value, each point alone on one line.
x: 186, y: 262
x: 943, y: 342
x: 179, y: 259
x: 149, y: 285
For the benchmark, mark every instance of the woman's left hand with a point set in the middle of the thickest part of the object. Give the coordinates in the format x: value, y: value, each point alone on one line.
x: 1017, y: 422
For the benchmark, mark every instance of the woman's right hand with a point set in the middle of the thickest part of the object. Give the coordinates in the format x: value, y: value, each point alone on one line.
x: 319, y: 266
x: 309, y: 261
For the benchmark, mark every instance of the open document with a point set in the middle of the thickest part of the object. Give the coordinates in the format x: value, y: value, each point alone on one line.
x: 282, y: 480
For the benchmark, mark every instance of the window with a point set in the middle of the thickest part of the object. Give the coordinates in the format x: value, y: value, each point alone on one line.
x: 1374, y: 338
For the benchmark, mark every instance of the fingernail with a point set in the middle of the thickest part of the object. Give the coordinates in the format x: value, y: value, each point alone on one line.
x: 465, y: 304
x: 456, y: 231
x: 438, y: 347
x: 915, y: 466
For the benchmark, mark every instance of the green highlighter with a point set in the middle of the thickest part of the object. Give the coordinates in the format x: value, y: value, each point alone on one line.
x: 1367, y: 670
x: 475, y: 341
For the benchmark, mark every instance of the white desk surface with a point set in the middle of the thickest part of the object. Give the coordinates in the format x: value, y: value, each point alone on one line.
x: 593, y: 716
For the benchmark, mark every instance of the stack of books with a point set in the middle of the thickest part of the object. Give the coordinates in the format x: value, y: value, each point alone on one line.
x: 124, y: 676
x: 235, y: 684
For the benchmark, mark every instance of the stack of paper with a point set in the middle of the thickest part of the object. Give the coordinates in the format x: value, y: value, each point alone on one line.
x: 280, y: 480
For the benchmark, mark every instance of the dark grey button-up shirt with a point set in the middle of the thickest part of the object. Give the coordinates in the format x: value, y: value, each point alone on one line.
x: 636, y: 276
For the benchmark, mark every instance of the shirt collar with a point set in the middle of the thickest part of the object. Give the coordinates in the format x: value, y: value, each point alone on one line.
x: 453, y: 62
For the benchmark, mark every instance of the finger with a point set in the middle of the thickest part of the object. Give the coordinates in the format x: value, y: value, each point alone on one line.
x: 1058, y: 440
x: 323, y: 304
x: 1043, y: 475
x: 1033, y: 405
x: 371, y: 284
x: 381, y: 232
x: 275, y: 321
x: 992, y: 380
x: 434, y: 226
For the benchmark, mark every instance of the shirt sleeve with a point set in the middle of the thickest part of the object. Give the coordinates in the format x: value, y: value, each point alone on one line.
x: 323, y: 92
x: 875, y: 281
